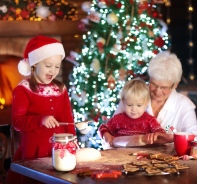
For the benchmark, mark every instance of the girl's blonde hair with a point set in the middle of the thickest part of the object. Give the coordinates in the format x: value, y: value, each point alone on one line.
x: 135, y: 89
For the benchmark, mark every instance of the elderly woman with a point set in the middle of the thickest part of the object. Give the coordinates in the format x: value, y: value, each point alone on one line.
x: 168, y: 106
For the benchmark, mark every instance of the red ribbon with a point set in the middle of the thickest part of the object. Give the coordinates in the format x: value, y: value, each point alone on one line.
x: 70, y: 146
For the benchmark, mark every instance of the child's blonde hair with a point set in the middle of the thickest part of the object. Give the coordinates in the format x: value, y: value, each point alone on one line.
x: 135, y: 89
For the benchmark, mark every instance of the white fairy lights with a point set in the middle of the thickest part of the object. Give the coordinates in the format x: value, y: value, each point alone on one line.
x: 190, y: 43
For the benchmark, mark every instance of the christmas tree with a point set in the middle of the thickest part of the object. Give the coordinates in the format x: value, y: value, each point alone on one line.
x: 121, y: 37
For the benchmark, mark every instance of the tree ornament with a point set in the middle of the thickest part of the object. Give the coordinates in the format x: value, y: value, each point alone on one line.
x: 112, y: 18
x: 115, y: 49
x: 52, y: 17
x: 83, y: 24
x: 122, y: 74
x: 150, y: 33
x: 110, y: 2
x: 128, y: 28
x: 155, y: 14
x: 42, y: 12
x: 141, y: 63
x: 4, y: 8
x: 155, y: 52
x: 102, y: 4
x: 60, y: 13
x: 31, y: 6
x: 159, y: 42
x: 95, y: 114
x: 119, y: 5
x: 111, y: 82
x: 95, y: 16
x: 95, y: 65
x: 101, y: 40
x: 86, y: 6
x: 120, y: 34
x: 100, y: 44
x: 130, y: 72
x: 142, y: 6
x: 24, y: 14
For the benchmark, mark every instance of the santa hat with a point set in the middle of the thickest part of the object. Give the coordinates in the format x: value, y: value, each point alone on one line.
x: 38, y: 49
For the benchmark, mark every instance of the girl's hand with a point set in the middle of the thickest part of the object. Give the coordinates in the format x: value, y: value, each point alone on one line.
x: 49, y: 122
x: 108, y: 138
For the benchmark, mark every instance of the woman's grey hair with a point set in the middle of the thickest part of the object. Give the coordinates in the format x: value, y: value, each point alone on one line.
x: 165, y: 66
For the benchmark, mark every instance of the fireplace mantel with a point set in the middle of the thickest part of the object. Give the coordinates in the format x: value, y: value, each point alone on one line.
x: 31, y: 28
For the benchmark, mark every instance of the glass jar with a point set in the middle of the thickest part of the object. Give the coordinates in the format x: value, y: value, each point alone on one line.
x: 64, y: 151
x: 193, y: 151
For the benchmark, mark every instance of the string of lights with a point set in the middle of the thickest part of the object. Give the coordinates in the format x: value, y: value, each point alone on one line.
x: 190, y: 43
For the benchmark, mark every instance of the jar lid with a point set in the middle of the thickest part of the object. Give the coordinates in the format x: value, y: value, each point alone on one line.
x: 63, y: 137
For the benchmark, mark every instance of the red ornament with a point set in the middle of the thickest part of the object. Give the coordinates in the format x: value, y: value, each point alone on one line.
x: 109, y: 2
x: 82, y: 26
x: 60, y: 13
x: 130, y: 72
x: 100, y: 45
x: 142, y: 6
x: 104, y: 118
x: 159, y: 42
x: 141, y: 63
x: 143, y: 24
x: 31, y: 6
x: 95, y: 115
x: 25, y: 14
x: 119, y: 5
x: 155, y: 52
x: 155, y: 14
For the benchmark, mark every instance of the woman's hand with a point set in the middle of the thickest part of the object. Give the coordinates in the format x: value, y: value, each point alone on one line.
x: 49, y: 122
x: 108, y: 138
x: 158, y: 138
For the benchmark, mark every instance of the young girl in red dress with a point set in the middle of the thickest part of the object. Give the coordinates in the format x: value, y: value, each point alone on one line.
x: 40, y: 102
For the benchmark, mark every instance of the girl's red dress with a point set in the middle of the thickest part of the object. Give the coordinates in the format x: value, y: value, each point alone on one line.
x: 28, y: 110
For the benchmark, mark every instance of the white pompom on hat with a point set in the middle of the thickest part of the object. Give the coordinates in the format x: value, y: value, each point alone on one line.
x: 38, y: 49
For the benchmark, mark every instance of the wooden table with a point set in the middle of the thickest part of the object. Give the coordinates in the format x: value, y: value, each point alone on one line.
x: 42, y: 169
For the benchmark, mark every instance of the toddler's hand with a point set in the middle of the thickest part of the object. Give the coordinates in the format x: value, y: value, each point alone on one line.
x: 108, y: 138
x: 158, y: 138
x: 50, y: 122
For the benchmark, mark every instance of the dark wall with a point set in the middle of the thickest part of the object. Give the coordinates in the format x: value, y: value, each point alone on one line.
x: 179, y: 32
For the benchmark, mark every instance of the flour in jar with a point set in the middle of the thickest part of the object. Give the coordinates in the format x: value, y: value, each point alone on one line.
x: 63, y: 160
